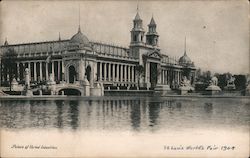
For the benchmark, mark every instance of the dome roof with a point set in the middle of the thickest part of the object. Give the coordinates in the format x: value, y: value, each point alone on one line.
x: 185, y: 59
x: 80, y: 38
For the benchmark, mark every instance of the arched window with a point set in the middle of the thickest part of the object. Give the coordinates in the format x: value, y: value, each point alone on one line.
x: 135, y: 37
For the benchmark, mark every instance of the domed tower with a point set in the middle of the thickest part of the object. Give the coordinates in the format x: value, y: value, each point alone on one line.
x: 152, y: 36
x: 79, y: 40
x: 188, y: 66
x: 185, y: 60
x: 137, y: 32
x: 77, y: 59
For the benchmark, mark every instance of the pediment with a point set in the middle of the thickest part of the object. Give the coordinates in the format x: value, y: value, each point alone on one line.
x: 154, y: 54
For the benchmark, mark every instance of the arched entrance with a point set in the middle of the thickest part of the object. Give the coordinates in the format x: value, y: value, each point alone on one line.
x: 153, y: 74
x: 70, y: 91
x: 72, y: 74
x: 88, y: 73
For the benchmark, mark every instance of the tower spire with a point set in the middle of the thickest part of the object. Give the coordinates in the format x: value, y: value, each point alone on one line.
x: 152, y: 35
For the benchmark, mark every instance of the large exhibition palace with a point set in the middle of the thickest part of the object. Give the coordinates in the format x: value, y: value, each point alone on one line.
x: 77, y: 62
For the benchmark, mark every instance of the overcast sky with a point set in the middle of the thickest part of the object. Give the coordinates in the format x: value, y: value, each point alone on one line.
x: 217, y: 31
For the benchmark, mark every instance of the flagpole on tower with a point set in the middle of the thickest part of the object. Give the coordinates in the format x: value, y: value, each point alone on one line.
x: 137, y: 7
x: 79, y: 18
x: 185, y: 45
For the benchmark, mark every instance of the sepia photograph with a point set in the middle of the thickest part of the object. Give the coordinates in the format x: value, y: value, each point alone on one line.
x: 123, y: 78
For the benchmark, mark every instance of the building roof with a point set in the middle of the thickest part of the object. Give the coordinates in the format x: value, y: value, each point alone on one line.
x: 185, y: 59
x: 80, y: 38
x: 63, y: 45
x: 137, y: 17
x: 152, y: 22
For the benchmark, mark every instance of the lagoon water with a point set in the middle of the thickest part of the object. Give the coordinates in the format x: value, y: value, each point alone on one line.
x: 143, y: 120
x: 126, y: 114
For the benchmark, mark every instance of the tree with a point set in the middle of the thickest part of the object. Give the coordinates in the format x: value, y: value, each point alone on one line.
x: 9, y: 62
x: 222, y: 80
x: 240, y: 82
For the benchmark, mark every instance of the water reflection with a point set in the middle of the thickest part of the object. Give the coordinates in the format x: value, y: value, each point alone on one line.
x: 153, y: 111
x: 128, y: 114
x: 135, y: 115
x: 74, y: 113
x: 59, y: 109
x: 208, y: 107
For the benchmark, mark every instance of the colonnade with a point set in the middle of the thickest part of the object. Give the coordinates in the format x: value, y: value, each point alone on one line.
x: 170, y: 75
x: 106, y: 72
x: 40, y: 70
x: 116, y: 72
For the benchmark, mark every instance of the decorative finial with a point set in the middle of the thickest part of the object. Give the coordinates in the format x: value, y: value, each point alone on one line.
x: 59, y: 36
x: 6, y: 42
x: 185, y: 48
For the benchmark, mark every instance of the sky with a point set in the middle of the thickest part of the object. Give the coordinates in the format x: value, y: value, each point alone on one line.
x: 217, y: 32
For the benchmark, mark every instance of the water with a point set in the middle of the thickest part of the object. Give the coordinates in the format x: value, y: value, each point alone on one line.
x: 125, y: 126
x: 128, y: 114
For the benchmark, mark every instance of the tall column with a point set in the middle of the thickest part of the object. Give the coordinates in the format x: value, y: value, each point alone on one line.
x: 117, y: 72
x: 53, y: 70
x: 174, y: 75
x: 105, y: 69
x: 41, y: 72
x: 23, y: 71
x: 159, y: 75
x: 62, y: 66
x: 167, y: 77
x: 133, y: 74
x: 178, y: 77
x: 35, y: 74
x: 47, y: 72
x: 170, y: 76
x: 125, y: 73
x: 121, y: 77
x: 147, y: 72
x: 58, y: 70
x: 18, y: 71
x: 175, y: 78
x: 109, y: 74
x: 29, y: 69
x: 100, y: 71
x: 163, y: 76
x: 63, y: 73
x: 129, y: 73
x: 113, y: 73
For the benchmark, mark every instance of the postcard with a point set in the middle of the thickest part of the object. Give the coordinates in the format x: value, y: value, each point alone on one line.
x: 124, y: 78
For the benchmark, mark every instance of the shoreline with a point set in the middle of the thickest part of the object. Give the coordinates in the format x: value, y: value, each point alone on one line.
x: 37, y: 97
